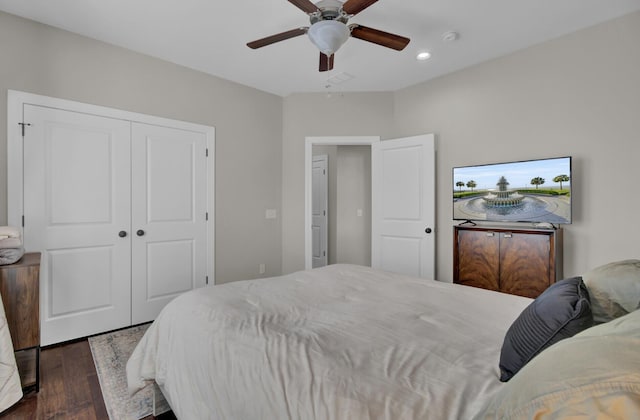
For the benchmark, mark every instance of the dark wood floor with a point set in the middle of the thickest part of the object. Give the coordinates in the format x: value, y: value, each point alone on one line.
x: 69, y: 388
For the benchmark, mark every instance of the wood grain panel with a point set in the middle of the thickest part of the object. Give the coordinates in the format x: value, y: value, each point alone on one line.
x: 27, y: 362
x: 19, y: 285
x: 477, y: 259
x: 525, y: 267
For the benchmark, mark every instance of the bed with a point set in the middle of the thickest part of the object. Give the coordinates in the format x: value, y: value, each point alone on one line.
x: 10, y: 387
x: 339, y: 342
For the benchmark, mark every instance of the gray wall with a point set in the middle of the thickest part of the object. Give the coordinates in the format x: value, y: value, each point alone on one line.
x: 315, y: 115
x: 354, y: 192
x: 577, y: 95
x: 39, y: 59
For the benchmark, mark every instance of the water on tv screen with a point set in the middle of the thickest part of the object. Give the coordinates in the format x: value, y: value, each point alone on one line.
x: 536, y: 191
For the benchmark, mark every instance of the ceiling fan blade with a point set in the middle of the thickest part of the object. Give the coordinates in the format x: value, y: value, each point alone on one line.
x: 379, y: 37
x: 277, y: 38
x: 304, y: 5
x: 326, y: 62
x: 353, y: 7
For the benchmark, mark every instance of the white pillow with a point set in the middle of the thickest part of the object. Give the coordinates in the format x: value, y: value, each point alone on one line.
x: 594, y: 374
x: 614, y: 289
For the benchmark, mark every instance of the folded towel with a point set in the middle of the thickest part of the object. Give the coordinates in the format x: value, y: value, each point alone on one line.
x: 10, y: 243
x: 10, y: 231
x: 10, y: 255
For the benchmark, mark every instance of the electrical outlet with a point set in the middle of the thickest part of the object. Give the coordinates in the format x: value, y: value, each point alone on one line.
x: 262, y: 269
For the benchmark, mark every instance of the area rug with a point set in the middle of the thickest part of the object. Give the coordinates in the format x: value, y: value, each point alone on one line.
x: 110, y: 354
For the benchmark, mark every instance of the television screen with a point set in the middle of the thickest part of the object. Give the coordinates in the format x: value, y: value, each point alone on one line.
x: 536, y: 191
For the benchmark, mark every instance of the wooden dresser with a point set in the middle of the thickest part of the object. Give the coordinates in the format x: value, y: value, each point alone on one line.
x: 20, y: 286
x: 511, y: 260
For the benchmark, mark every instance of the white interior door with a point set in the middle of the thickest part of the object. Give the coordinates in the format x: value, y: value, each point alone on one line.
x: 403, y: 206
x: 169, y: 216
x: 320, y: 210
x: 76, y: 203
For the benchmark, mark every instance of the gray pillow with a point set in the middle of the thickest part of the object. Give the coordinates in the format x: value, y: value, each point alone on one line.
x: 594, y: 374
x: 614, y: 289
x: 560, y: 312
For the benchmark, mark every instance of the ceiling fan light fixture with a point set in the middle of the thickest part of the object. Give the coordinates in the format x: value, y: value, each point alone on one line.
x: 328, y: 35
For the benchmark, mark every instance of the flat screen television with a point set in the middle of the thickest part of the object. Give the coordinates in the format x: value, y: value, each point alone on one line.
x: 535, y: 191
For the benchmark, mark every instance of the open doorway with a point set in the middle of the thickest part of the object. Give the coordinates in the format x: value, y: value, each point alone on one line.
x: 341, y: 190
x: 402, y: 197
x: 349, y: 198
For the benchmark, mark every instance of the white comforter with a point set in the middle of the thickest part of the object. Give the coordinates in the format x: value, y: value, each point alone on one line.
x: 10, y: 388
x: 340, y: 342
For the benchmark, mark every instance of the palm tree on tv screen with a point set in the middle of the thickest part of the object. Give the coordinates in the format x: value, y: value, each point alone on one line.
x: 561, y: 179
x: 537, y: 181
x: 471, y: 184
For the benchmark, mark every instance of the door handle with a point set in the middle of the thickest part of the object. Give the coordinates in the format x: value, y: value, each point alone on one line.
x: 122, y: 233
x: 428, y: 230
x: 140, y: 232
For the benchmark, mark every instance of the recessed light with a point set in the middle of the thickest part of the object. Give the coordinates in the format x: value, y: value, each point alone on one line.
x: 424, y: 55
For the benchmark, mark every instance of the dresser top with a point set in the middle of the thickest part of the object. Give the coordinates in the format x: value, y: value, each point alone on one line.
x: 29, y: 258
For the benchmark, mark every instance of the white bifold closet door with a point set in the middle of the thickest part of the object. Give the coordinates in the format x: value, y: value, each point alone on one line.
x: 118, y: 210
x: 168, y: 228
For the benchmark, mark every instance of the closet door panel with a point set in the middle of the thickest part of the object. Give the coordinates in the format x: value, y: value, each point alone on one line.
x: 168, y: 216
x: 76, y: 201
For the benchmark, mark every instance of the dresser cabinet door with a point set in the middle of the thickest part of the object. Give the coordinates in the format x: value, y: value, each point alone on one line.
x: 525, y: 266
x: 478, y: 259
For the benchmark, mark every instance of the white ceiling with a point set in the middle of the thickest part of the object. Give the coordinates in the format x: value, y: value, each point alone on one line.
x: 211, y: 35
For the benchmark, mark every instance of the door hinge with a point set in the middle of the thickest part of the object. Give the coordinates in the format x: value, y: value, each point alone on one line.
x: 23, y: 220
x: 206, y: 152
x: 324, y: 253
x: 324, y: 172
x: 324, y: 212
x: 206, y: 216
x: 206, y: 279
x: 22, y: 125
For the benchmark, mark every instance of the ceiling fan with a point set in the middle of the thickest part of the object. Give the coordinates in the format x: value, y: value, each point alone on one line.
x: 329, y: 29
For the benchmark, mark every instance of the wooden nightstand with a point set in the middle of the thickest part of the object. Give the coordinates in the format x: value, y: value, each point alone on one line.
x: 20, y: 286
